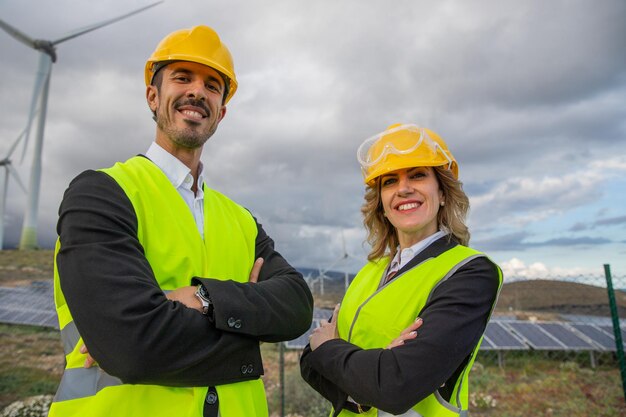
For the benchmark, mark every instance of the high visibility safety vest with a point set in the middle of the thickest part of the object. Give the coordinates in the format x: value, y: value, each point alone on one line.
x: 227, y: 252
x: 370, y: 318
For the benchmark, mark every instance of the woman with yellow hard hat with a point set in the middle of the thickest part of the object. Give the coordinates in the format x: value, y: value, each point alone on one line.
x: 410, y: 324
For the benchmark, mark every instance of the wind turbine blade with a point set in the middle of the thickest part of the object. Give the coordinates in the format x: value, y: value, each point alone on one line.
x: 12, y: 148
x: 20, y: 36
x: 13, y: 172
x: 93, y: 27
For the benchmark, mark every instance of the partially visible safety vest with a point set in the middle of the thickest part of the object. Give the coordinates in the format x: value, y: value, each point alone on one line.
x: 176, y: 252
x: 371, y: 317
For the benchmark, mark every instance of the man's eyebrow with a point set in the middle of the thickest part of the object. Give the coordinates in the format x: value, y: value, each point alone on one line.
x: 181, y: 70
x: 210, y: 77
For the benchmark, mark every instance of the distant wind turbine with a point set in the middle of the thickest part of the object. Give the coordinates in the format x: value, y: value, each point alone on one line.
x: 322, y: 272
x: 39, y: 103
x: 8, y: 172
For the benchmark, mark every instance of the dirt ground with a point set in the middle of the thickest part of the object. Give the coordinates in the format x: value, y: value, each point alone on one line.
x: 19, y: 268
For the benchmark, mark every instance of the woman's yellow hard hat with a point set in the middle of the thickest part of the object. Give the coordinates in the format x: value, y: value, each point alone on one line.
x: 403, y: 146
x: 201, y: 45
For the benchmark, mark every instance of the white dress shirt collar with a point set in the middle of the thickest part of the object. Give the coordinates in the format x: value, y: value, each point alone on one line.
x: 405, y: 255
x: 177, y: 172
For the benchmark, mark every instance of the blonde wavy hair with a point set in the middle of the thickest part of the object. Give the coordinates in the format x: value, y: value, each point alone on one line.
x: 381, y: 234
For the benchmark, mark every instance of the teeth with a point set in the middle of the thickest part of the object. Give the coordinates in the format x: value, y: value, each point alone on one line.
x: 192, y: 113
x: 407, y: 206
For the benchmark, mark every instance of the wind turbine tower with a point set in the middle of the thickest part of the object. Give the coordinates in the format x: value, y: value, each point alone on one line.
x: 39, y: 103
x: 8, y: 172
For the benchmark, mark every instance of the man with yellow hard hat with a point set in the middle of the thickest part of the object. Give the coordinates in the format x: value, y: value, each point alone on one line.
x: 164, y: 288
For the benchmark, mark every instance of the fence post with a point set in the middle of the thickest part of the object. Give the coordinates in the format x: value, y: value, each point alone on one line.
x: 281, y: 366
x: 616, y: 329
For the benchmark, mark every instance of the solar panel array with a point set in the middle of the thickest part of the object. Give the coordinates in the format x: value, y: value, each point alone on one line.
x: 510, y: 334
x: 34, y: 305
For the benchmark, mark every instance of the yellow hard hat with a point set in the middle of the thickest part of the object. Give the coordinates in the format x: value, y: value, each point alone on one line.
x: 403, y: 146
x: 200, y: 44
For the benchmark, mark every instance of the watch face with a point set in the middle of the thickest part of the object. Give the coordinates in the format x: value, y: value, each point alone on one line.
x: 203, y: 292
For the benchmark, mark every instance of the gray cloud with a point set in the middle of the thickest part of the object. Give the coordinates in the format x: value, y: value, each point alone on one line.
x: 519, y: 242
x: 526, y: 95
x: 610, y: 221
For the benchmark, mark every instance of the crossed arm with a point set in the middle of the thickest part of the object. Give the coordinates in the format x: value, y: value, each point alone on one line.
x: 129, y: 325
x: 396, y: 379
x: 328, y: 331
x: 186, y: 296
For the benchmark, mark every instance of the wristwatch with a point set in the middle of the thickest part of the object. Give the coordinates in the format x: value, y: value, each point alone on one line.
x: 205, y: 299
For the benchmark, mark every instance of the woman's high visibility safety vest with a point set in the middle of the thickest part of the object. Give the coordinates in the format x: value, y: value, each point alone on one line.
x: 176, y: 252
x: 371, y: 317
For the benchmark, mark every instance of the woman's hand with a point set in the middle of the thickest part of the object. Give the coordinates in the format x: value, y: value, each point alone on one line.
x: 406, y: 334
x: 326, y: 331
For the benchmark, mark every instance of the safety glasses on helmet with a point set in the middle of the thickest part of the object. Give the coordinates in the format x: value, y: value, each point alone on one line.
x: 403, y: 146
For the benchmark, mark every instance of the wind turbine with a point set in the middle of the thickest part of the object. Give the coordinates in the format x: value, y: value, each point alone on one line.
x: 8, y: 171
x: 39, y: 103
x: 322, y: 272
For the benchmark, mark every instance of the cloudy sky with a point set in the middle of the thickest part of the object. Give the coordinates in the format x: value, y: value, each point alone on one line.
x: 529, y: 95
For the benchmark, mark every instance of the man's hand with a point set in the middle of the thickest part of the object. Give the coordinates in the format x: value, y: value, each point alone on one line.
x: 406, y: 334
x: 327, y: 331
x: 89, y: 361
x: 187, y: 296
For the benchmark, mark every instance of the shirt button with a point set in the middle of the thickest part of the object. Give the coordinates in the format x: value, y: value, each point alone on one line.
x: 231, y: 322
x: 211, y: 398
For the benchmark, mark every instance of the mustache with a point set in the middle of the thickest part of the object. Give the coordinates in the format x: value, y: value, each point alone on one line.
x: 193, y: 102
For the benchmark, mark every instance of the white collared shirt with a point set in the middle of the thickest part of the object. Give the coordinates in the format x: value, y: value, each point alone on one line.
x: 180, y: 177
x: 405, y: 255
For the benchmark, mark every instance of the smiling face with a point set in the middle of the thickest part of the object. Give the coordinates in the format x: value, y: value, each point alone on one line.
x: 411, y: 199
x: 187, y: 104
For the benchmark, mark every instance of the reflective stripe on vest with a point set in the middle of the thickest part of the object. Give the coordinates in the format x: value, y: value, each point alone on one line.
x: 369, y: 318
x: 176, y: 252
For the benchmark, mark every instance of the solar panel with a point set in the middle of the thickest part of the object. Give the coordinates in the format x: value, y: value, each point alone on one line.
x: 609, y: 330
x: 31, y: 305
x: 498, y: 337
x: 535, y: 336
x: 603, y: 340
x: 4, y: 314
x: 487, y: 345
x: 302, y: 341
x: 322, y: 313
x: 567, y: 336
